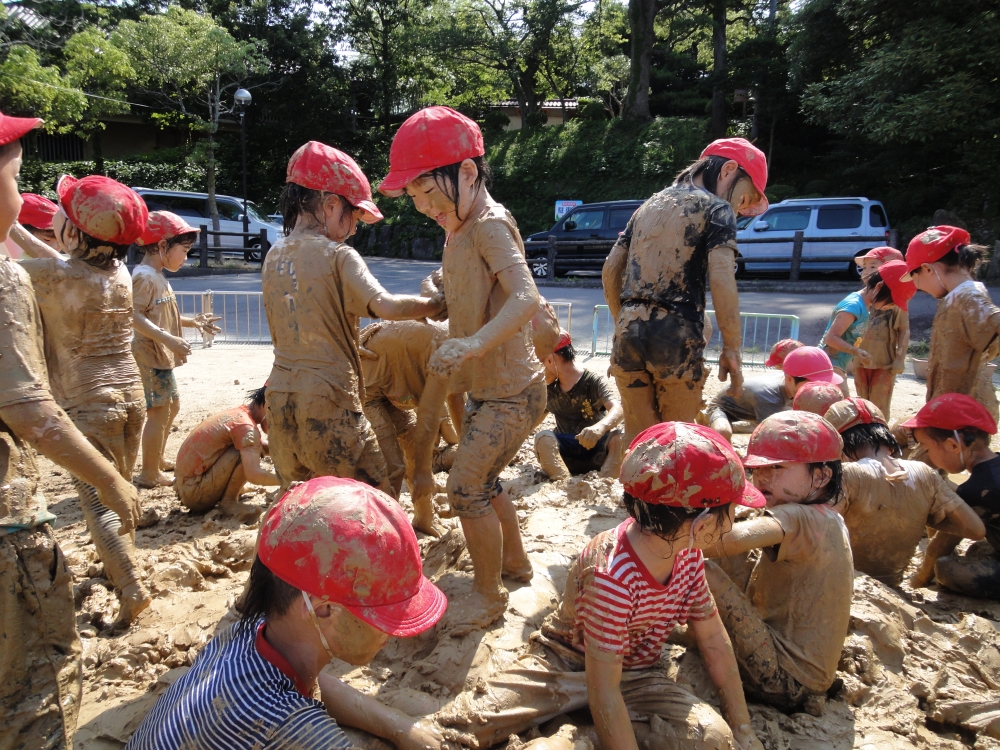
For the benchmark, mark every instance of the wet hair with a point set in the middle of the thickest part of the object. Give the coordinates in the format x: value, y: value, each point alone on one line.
x: 966, y: 257
x: 256, y: 396
x: 446, y: 178
x: 872, y: 436
x: 665, y: 521
x: 179, y: 239
x: 91, y: 244
x: 834, y: 487
x: 567, y: 353
x: 709, y: 168
x: 297, y: 200
x: 969, y: 435
x: 799, y: 381
x: 884, y: 294
x: 267, y: 596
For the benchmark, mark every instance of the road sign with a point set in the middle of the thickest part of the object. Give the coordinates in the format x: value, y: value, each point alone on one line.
x: 564, y: 207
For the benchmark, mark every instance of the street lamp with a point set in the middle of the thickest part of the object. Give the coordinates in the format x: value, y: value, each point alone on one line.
x: 242, y: 98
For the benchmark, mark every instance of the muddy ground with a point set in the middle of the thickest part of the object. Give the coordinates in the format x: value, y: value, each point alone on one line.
x: 921, y: 669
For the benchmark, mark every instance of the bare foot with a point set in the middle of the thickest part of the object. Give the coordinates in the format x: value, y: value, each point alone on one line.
x: 474, y: 612
x: 148, y: 483
x: 134, y: 599
x: 521, y: 571
x: 166, y: 465
x: 921, y: 578
x: 427, y: 524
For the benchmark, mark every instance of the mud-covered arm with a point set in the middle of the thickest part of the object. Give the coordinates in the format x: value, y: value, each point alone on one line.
x: 589, y: 436
x: 45, y: 426
x: 405, y: 306
x: 31, y: 245
x: 253, y: 471
x: 833, y: 336
x: 607, y: 706
x: 150, y: 330
x: 613, y: 273
x: 204, y: 322
x: 425, y: 435
x: 748, y: 535
x: 456, y: 410
x: 903, y: 343
x: 726, y: 300
x: 942, y: 545
x: 962, y: 521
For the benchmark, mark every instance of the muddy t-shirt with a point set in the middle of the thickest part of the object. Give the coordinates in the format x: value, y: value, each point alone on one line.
x: 982, y: 492
x: 153, y: 297
x: 580, y: 406
x: 232, y: 428
x: 882, y: 337
x: 964, y: 336
x: 394, y: 359
x: 315, y: 292
x: 22, y: 380
x: 484, y: 247
x: 853, y: 304
x: 762, y: 396
x: 802, y: 589
x: 886, y: 519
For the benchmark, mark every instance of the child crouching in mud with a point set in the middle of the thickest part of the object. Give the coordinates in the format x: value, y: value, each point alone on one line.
x: 625, y: 593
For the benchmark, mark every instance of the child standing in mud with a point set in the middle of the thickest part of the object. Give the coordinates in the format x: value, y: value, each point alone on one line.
x: 677, y: 243
x: 158, y: 345
x: 625, y: 593
x: 437, y: 159
x: 316, y: 288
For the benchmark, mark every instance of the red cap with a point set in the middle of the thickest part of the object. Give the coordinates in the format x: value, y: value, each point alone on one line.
x: 103, y: 208
x: 37, y: 211
x: 781, y: 350
x: 880, y: 253
x: 812, y: 363
x: 163, y: 225
x: 817, y: 397
x: 795, y: 437
x: 433, y: 137
x: 851, y: 412
x: 953, y: 411
x: 932, y: 245
x: 563, y: 341
x: 320, y: 167
x: 351, y: 544
x: 686, y: 466
x: 892, y: 274
x: 751, y: 159
x: 12, y: 128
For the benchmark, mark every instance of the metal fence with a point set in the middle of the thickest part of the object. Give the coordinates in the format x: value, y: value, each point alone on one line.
x: 242, y: 317
x: 760, y: 332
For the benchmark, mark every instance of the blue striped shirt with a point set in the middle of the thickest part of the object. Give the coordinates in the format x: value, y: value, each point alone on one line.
x: 233, y: 698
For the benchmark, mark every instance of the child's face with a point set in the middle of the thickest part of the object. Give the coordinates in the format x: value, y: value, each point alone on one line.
x: 946, y: 454
x: 174, y: 255
x: 45, y: 235
x: 870, y: 266
x: 357, y: 641
x: 550, y: 369
x: 787, y: 483
x: 430, y: 200
x: 10, y: 196
x: 927, y: 279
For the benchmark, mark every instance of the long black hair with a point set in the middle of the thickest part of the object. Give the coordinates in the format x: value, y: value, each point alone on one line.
x: 884, y: 294
x: 709, y: 168
x: 872, y: 436
x: 297, y: 200
x: 267, y: 596
x: 666, y: 521
x: 446, y: 178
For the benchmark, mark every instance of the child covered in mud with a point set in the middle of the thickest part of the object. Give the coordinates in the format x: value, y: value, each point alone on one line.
x: 586, y: 412
x: 158, y: 345
x: 85, y: 300
x: 787, y: 639
x: 780, y: 350
x: 260, y: 683
x: 887, y: 502
x: 816, y: 397
x: 221, y: 455
x: 316, y: 288
x: 955, y: 431
x: 39, y: 647
x: 437, y: 159
x: 678, y: 243
x: 625, y: 593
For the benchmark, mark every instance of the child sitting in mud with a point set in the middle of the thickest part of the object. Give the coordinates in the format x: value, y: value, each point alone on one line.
x: 954, y: 430
x: 786, y: 637
x: 586, y: 413
x: 625, y: 593
x: 437, y: 159
x: 221, y: 455
x: 816, y: 397
x: 886, y: 501
x: 158, y: 345
x: 260, y: 683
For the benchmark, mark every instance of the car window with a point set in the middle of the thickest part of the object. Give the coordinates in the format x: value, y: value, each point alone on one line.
x: 619, y: 217
x: 742, y: 222
x: 189, y: 207
x: 839, y: 217
x: 229, y: 211
x: 586, y: 220
x: 788, y: 220
x: 876, y: 217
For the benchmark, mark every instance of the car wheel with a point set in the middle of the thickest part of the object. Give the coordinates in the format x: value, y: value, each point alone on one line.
x: 540, y: 268
x: 253, y: 254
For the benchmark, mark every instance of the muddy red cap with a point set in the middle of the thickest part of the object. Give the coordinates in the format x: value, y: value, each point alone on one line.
x: 163, y: 225
x: 880, y: 253
x: 812, y: 363
x: 12, y: 128
x: 817, y: 397
x: 781, y: 350
x: 353, y: 545
x: 686, y: 466
x: 794, y: 437
x: 433, y: 137
x: 320, y: 167
x: 103, y: 208
x: 37, y: 211
x: 892, y: 274
x: 850, y: 412
x: 953, y: 411
x: 751, y: 159
x: 563, y: 341
x: 931, y: 245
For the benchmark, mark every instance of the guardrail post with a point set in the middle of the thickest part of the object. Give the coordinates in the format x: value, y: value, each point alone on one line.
x: 217, y: 244
x: 893, y: 238
x: 203, y: 246
x: 265, y: 245
x: 796, y: 256
x: 550, y: 273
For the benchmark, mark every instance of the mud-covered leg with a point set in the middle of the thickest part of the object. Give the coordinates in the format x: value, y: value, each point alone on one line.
x: 515, y: 561
x: 638, y: 403
x: 971, y: 574
x: 380, y: 418
x: 549, y: 458
x: 679, y: 400
x: 616, y: 451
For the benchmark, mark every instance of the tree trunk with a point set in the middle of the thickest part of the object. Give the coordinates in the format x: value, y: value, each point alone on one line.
x: 719, y: 123
x: 215, y: 104
x: 770, y: 148
x: 95, y: 145
x: 641, y: 19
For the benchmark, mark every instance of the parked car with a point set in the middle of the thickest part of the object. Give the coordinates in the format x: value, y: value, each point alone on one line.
x: 833, y: 228
x: 194, y: 208
x: 589, y: 222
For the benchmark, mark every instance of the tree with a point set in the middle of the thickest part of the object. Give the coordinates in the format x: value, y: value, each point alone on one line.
x: 642, y: 25
x: 30, y: 88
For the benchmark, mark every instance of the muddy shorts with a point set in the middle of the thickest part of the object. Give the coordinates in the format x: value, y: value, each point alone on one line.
x: 160, y: 387
x: 580, y: 460
x: 113, y: 427
x: 875, y: 385
x: 666, y: 345
x: 40, y: 677
x: 204, y: 491
x: 493, y: 432
x: 312, y: 436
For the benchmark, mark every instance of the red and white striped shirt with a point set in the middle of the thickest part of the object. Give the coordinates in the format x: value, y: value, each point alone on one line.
x: 622, y: 609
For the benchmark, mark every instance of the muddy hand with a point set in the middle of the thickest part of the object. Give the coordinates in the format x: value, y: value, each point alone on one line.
x: 179, y: 346
x: 730, y: 364
x: 205, y: 322
x: 123, y: 498
x: 588, y: 436
x: 450, y: 356
x: 427, y: 734
x: 863, y: 357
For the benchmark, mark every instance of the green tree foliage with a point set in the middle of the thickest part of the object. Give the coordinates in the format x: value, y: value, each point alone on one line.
x: 28, y: 87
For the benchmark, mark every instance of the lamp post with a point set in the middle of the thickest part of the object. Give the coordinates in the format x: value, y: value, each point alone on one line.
x: 242, y: 98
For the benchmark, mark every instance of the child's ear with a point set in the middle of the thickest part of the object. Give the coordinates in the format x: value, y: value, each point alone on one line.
x: 821, y: 477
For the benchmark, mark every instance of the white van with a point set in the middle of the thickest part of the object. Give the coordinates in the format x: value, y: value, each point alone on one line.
x: 833, y: 227
x: 194, y: 208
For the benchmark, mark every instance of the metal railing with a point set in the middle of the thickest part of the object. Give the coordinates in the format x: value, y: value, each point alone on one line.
x: 761, y: 331
x: 242, y: 316
x: 564, y: 311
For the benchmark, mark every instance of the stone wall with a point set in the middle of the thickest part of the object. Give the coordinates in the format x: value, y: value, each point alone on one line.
x: 396, y: 241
